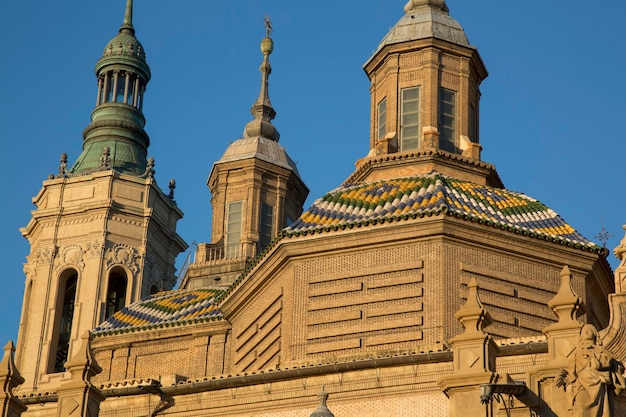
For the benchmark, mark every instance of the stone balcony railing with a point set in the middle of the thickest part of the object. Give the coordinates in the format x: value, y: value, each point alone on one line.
x: 219, y: 254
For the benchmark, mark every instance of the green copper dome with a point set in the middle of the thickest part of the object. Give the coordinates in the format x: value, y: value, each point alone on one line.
x: 125, y: 49
x: 115, y: 139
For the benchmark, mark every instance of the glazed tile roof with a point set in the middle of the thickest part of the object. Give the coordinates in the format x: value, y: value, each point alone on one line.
x: 405, y: 198
x: 363, y: 205
x: 165, y: 309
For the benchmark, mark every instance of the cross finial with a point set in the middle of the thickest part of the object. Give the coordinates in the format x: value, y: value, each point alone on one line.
x: 603, y: 236
x: 268, y: 26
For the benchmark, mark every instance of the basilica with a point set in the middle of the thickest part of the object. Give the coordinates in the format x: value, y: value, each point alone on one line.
x: 418, y: 287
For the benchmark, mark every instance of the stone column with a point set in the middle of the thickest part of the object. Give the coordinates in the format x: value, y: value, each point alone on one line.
x: 9, y: 379
x: 78, y: 397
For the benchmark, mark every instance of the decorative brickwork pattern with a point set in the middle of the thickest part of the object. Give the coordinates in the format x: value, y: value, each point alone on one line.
x: 355, y: 303
x: 258, y: 344
x: 409, y: 60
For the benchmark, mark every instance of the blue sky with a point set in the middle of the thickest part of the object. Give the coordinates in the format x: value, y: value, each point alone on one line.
x: 550, y: 110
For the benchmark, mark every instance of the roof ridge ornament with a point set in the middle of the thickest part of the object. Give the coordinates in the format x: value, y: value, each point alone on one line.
x: 438, y: 4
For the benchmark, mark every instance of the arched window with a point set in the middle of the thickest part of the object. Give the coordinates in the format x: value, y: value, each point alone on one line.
x: 108, y: 88
x: 116, y: 293
x: 120, y: 87
x: 66, y: 311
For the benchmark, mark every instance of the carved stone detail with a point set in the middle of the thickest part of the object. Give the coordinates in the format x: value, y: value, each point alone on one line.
x: 43, y: 256
x: 71, y: 255
x: 29, y: 271
x: 94, y: 248
x: 124, y: 255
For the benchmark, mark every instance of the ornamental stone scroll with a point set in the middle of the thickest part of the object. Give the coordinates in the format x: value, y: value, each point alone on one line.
x: 121, y: 254
x: 71, y: 255
x: 93, y: 248
x: 43, y: 256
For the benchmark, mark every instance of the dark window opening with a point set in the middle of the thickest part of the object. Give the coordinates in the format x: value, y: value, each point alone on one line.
x: 382, y: 118
x: 447, y: 121
x: 266, y: 226
x: 116, y: 294
x: 65, y: 325
x: 109, y: 88
x: 120, y: 87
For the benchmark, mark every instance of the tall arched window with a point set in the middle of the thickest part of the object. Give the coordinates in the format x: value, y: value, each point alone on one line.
x: 67, y: 291
x: 116, y: 293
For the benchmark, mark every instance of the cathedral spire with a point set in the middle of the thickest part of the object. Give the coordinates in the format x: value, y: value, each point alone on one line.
x: 117, y: 122
x: 127, y: 25
x: 262, y: 109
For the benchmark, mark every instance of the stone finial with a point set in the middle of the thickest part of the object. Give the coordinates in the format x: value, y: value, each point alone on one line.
x: 63, y: 166
x: 172, y: 188
x: 566, y: 304
x: 415, y: 4
x: 78, y: 397
x: 562, y: 335
x: 8, y: 371
x: 149, y: 172
x: 105, y: 159
x: 474, y: 360
x: 473, y: 315
x: 322, y: 410
x: 83, y: 366
x: 10, y: 378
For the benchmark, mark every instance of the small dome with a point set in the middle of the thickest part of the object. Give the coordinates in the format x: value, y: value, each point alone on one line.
x: 125, y: 49
x: 425, y: 19
x: 125, y: 44
x: 261, y: 148
x: 322, y: 410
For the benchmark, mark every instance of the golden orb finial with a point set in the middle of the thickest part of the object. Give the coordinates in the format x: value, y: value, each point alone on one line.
x: 267, y: 44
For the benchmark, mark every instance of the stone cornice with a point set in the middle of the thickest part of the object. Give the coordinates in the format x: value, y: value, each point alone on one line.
x: 368, y: 163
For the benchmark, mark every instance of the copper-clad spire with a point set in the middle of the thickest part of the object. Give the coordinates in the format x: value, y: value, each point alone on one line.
x: 127, y: 25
